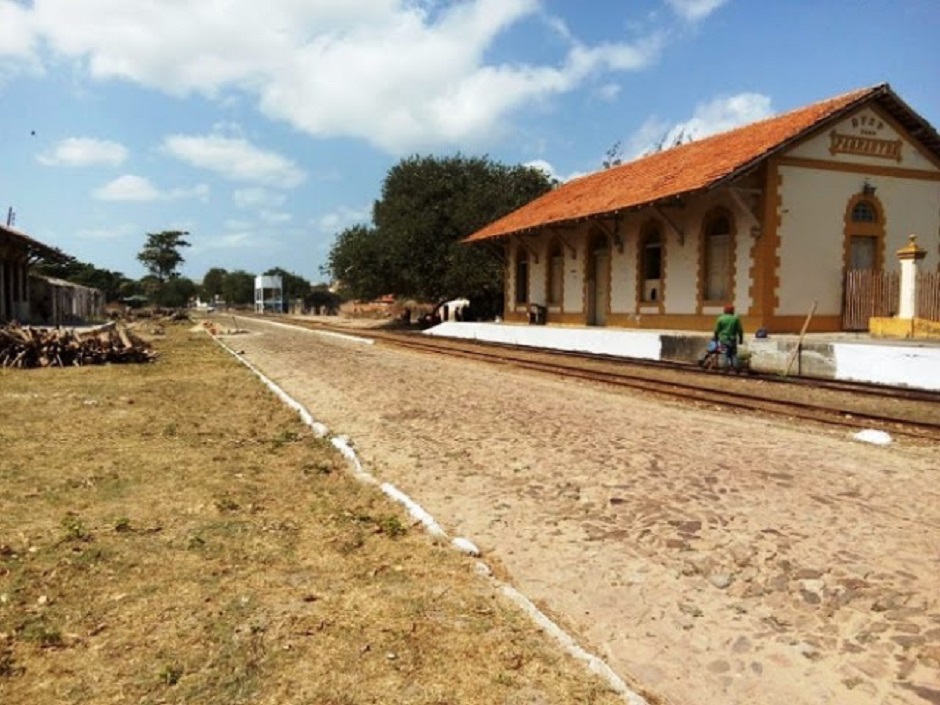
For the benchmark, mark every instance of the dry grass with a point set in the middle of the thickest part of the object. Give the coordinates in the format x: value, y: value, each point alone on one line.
x: 170, y: 533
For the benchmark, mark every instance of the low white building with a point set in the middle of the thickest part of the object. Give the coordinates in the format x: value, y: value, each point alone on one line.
x: 772, y: 218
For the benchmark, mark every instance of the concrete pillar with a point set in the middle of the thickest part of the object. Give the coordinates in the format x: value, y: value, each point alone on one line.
x: 909, y: 255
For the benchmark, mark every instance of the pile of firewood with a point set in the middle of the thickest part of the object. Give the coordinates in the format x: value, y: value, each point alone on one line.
x: 61, y: 347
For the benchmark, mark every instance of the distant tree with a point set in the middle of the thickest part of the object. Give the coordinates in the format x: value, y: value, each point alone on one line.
x: 613, y: 156
x: 294, y: 286
x: 161, y: 253
x: 238, y: 288
x: 72, y: 270
x: 668, y: 142
x: 175, y: 292
x: 131, y: 287
x: 212, y: 283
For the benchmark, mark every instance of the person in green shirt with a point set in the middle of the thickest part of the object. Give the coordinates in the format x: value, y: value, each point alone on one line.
x: 730, y: 333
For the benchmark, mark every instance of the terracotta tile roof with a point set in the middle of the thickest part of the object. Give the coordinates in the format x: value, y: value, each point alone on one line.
x: 674, y: 172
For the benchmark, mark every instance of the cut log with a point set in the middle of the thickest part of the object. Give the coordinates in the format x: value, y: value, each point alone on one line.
x: 57, y: 347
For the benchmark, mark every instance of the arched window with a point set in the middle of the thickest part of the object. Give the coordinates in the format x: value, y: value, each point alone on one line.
x: 651, y: 264
x: 864, y: 233
x: 522, y: 276
x: 556, y: 273
x: 717, y: 259
x: 864, y: 212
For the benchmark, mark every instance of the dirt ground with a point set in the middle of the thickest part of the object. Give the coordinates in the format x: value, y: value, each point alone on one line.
x: 709, y: 557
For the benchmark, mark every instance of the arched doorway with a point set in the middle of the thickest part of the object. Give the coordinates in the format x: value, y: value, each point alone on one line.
x: 864, y: 233
x: 597, y: 279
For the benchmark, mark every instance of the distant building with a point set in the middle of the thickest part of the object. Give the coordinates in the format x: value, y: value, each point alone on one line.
x: 770, y: 217
x: 18, y: 252
x: 59, y: 302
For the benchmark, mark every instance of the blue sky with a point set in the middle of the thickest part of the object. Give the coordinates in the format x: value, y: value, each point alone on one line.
x: 264, y: 128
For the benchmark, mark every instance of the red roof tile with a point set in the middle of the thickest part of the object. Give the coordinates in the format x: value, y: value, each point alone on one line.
x: 680, y: 170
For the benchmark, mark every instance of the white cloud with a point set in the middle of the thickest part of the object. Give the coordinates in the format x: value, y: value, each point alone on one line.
x: 84, y: 151
x: 694, y: 10
x: 130, y: 187
x: 342, y: 218
x: 275, y: 217
x: 402, y: 74
x: 114, y: 232
x: 235, y: 159
x: 127, y: 188
x: 256, y: 197
x: 608, y: 91
x: 549, y: 170
x: 723, y: 114
x: 718, y: 115
x: 16, y: 30
x: 241, y: 239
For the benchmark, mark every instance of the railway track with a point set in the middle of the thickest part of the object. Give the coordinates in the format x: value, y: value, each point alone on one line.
x: 914, y: 414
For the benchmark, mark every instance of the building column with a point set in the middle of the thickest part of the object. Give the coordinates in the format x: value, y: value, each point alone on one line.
x: 4, y: 315
x: 24, y: 289
x: 909, y: 255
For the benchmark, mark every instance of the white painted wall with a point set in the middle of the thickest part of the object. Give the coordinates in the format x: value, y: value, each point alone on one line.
x: 882, y: 363
x: 812, y: 227
x: 538, y: 272
x: 642, y: 345
x: 681, y: 287
x: 574, y: 272
x: 811, y: 230
x: 621, y: 295
x: 909, y: 365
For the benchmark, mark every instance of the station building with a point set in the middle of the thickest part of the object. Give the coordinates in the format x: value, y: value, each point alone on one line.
x: 776, y: 218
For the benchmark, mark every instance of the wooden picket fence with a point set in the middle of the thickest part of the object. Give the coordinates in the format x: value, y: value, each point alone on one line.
x: 873, y: 294
x: 928, y: 295
x: 869, y: 294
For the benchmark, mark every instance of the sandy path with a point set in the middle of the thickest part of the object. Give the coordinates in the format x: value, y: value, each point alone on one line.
x: 710, y: 558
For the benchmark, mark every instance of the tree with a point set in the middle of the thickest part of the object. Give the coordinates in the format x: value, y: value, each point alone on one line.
x: 427, y: 206
x: 72, y: 270
x: 613, y: 156
x: 176, y: 292
x: 238, y: 288
x: 357, y: 263
x: 668, y: 141
x: 212, y: 283
x: 161, y: 254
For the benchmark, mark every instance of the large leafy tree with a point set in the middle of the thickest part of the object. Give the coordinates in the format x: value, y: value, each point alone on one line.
x: 427, y: 205
x: 238, y: 288
x: 176, y: 292
x: 161, y: 253
x: 212, y: 283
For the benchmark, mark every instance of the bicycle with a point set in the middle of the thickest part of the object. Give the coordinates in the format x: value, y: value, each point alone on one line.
x: 715, y: 359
